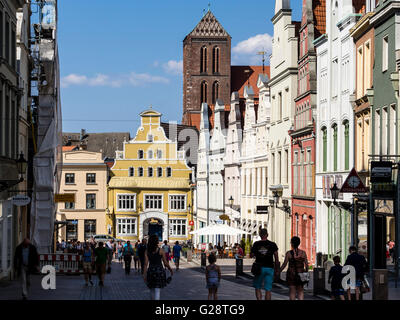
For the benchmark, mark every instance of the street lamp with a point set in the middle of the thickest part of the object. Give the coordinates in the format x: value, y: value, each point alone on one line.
x: 231, y: 201
x: 22, y: 164
x: 335, y: 193
x: 21, y: 168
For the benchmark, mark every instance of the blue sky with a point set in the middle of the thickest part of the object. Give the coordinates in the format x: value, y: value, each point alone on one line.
x: 119, y: 57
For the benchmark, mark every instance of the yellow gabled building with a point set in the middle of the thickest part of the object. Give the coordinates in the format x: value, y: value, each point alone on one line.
x: 149, y: 190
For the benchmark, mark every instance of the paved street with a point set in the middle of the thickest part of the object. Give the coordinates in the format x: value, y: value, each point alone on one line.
x: 187, y: 284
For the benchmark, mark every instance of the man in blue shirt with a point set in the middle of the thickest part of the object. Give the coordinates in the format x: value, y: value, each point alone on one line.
x: 177, y: 254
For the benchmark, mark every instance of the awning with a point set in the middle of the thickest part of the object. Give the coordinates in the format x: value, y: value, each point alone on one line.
x: 221, y: 229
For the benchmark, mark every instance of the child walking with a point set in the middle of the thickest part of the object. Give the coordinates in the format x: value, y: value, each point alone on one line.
x: 335, y: 279
x: 213, y: 277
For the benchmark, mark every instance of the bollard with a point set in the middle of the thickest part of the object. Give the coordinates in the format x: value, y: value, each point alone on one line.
x: 203, y: 260
x: 189, y: 255
x: 319, y: 281
x: 380, y: 284
x: 239, y: 267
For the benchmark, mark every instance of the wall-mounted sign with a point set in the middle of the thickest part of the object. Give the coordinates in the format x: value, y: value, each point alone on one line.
x: 64, y: 197
x: 353, y: 184
x: 154, y: 221
x: 262, y: 210
x: 20, y: 200
x: 191, y: 223
x: 381, y: 171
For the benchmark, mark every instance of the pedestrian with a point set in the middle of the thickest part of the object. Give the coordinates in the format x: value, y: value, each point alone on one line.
x: 154, y: 274
x: 335, y: 279
x: 266, y: 254
x: 177, y: 254
x: 141, y: 253
x: 26, y: 262
x: 101, y: 254
x: 298, y: 267
x: 213, y: 277
x: 119, y: 252
x: 391, y: 249
x: 110, y: 255
x: 88, y: 258
x: 360, y: 265
x: 167, y: 250
x: 127, y: 253
x: 136, y: 257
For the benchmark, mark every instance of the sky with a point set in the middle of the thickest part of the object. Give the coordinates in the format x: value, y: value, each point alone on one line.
x: 117, y: 58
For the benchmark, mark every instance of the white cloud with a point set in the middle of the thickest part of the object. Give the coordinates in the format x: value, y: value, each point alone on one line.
x: 245, y: 52
x: 115, y: 81
x: 173, y: 67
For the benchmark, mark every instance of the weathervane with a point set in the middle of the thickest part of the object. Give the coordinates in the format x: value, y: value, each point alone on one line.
x: 204, y: 10
x: 262, y: 53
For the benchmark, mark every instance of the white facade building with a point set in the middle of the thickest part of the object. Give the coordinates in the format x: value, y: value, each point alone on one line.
x: 335, y: 147
x: 283, y: 87
x: 254, y: 160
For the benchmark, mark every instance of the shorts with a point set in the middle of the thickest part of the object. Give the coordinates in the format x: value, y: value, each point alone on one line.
x: 87, y: 266
x: 359, y: 283
x: 337, y: 292
x: 101, y: 268
x: 266, y: 276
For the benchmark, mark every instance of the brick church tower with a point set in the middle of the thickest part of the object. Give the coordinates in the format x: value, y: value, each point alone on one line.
x: 206, y: 68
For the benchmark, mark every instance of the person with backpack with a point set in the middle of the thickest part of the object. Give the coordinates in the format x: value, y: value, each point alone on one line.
x: 127, y: 253
x: 297, y: 274
x: 266, y: 254
x: 360, y: 265
x: 335, y: 279
x: 88, y: 259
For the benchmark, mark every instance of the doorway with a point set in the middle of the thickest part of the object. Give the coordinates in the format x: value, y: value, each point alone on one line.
x: 157, y: 229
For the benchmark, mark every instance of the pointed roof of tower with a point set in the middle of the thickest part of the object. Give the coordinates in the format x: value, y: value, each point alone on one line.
x: 209, y: 26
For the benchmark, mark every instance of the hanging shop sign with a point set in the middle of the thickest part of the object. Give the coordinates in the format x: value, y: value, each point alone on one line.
x: 353, y: 184
x: 20, y: 200
x: 262, y: 210
x: 64, y: 197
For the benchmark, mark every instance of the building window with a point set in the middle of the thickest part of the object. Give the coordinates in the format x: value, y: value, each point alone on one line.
x: 203, y: 60
x: 203, y: 93
x: 385, y: 53
x: 90, y: 178
x: 69, y: 205
x: 377, y: 132
x: 324, y: 150
x: 131, y: 171
x: 126, y: 226
x: 140, y: 154
x: 279, y: 163
x: 177, y: 202
x: 335, y: 70
x: 159, y: 172
x: 177, y: 227
x: 309, y: 173
x: 140, y: 172
x: 90, y: 229
x: 13, y: 48
x: 72, y: 230
x: 385, y: 137
x: 335, y: 147
x: 159, y: 154
x: 169, y: 172
x: 280, y: 106
x: 216, y: 51
x: 150, y: 154
x: 346, y: 146
x: 126, y: 202
x: 90, y: 201
x: 295, y: 172
x: 7, y: 40
x: 215, y: 93
x: 69, y: 178
x: 149, y: 171
x: 153, y: 202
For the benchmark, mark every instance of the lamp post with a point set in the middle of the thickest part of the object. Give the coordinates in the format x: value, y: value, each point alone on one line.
x: 22, y: 165
x: 335, y: 193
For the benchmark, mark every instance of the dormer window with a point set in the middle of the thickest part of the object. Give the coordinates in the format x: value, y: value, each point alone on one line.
x: 150, y: 138
x: 159, y: 154
x: 150, y: 154
x: 140, y: 154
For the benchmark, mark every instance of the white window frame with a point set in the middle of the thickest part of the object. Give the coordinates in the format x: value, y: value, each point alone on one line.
x: 166, y: 172
x: 152, y: 172
x: 142, y: 157
x: 150, y: 137
x: 129, y: 171
x: 126, y: 194
x: 385, y: 53
x: 150, y: 154
x: 170, y: 200
x: 162, y: 172
x: 134, y: 233
x: 153, y: 194
x: 159, y: 154
x: 170, y: 231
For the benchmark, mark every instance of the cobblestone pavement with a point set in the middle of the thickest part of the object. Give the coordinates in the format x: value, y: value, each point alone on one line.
x: 187, y: 284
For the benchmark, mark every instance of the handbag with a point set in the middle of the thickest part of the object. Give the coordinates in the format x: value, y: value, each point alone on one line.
x: 256, y: 269
x: 364, y: 286
x: 303, y: 276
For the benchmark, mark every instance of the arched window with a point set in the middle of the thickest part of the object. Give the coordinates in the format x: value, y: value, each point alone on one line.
x: 150, y: 154
x: 335, y: 147
x: 324, y: 149
x: 203, y: 60
x: 203, y: 92
x: 216, y: 54
x: 346, y: 145
x: 215, y: 92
